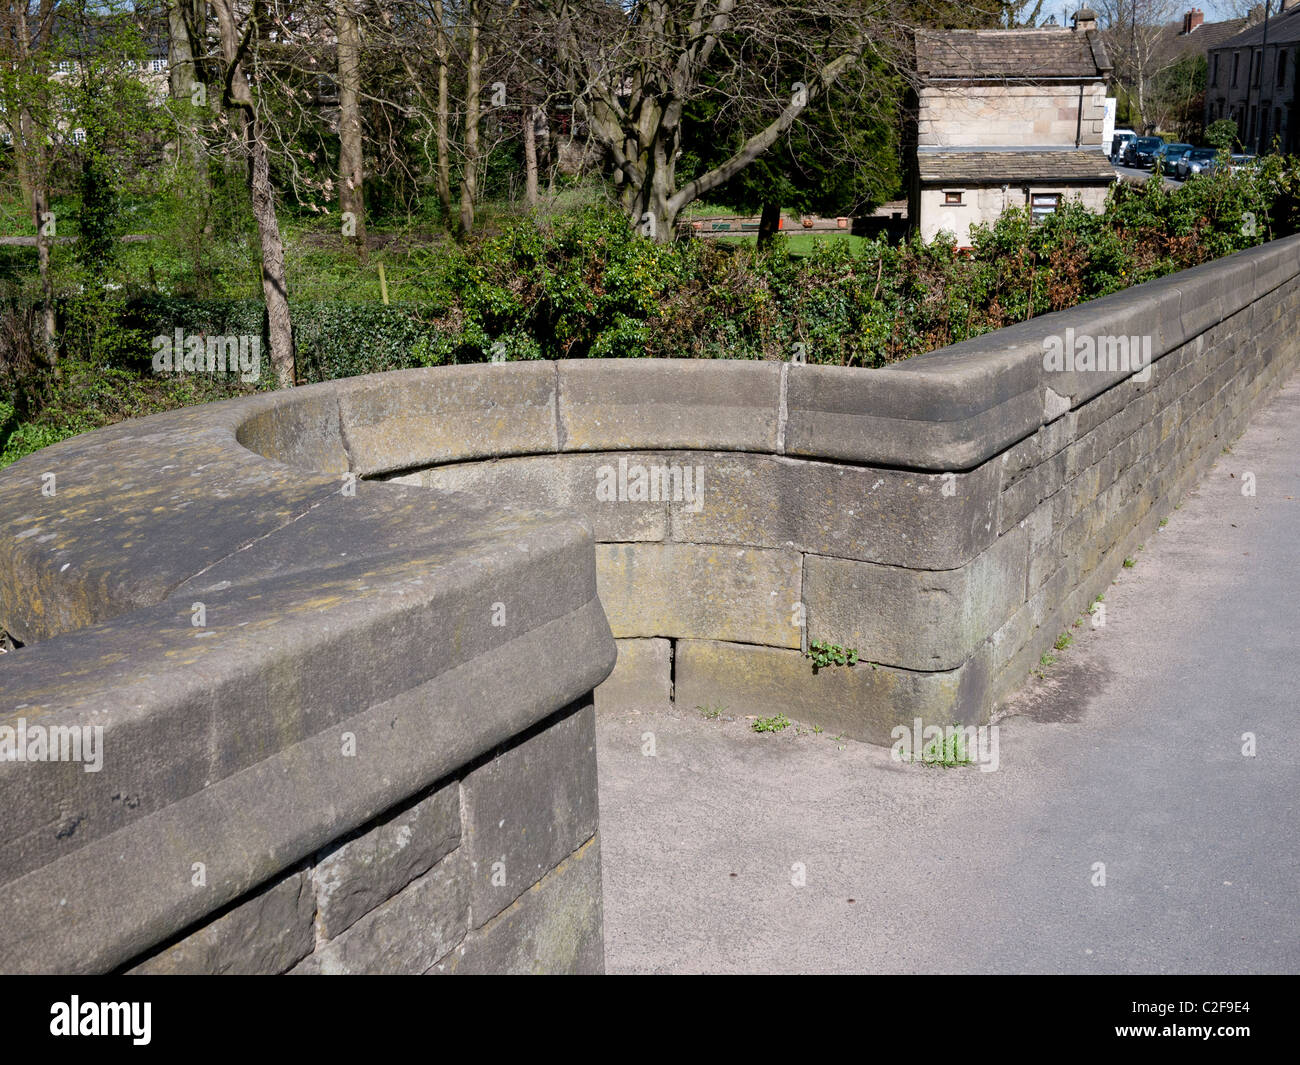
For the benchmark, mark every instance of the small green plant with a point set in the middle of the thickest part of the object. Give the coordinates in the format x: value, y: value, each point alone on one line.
x: 1164, y: 522
x: 1047, y: 659
x: 1129, y: 563
x: 948, y: 750
x: 711, y: 712
x: 817, y: 730
x: 1063, y: 641
x: 824, y: 653
x: 772, y: 724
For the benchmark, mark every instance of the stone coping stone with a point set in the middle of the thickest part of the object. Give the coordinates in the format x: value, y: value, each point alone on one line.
x: 412, y: 418
x: 694, y: 404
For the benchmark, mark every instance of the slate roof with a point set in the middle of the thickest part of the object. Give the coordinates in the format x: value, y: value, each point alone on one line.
x: 1173, y: 43
x: 1282, y: 29
x: 1059, y: 166
x: 1020, y: 54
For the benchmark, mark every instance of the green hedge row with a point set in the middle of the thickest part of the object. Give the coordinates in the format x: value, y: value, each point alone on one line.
x: 332, y: 339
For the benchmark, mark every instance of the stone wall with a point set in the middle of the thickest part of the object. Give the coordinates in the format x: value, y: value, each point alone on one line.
x: 463, y: 877
x: 947, y: 517
x: 337, y: 726
x: 1022, y: 115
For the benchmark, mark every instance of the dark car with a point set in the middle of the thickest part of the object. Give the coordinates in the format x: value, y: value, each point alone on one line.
x: 1197, y: 161
x: 1167, y: 157
x: 1142, y: 151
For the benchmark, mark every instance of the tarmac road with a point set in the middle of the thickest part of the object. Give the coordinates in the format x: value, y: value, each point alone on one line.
x: 1129, y: 753
x: 1137, y: 174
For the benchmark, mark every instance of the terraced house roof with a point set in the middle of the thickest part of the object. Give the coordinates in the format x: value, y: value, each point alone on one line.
x: 1282, y: 29
x: 1010, y: 54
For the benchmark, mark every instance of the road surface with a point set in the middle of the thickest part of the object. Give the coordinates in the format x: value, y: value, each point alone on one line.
x: 1129, y: 753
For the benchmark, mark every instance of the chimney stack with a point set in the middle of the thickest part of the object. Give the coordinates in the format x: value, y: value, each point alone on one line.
x: 1194, y: 18
x: 1085, y: 19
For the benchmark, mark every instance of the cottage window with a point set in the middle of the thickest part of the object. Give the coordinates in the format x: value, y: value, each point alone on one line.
x: 1281, y: 68
x: 1236, y: 67
x: 952, y: 199
x: 1044, y: 203
x: 1214, y: 77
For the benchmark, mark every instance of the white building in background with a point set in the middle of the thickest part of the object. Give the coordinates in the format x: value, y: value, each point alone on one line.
x: 1008, y: 118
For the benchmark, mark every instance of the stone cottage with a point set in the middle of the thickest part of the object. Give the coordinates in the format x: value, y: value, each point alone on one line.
x: 1007, y: 118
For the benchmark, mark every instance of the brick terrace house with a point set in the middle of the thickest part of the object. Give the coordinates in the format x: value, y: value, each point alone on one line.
x: 1007, y: 118
x: 1252, y: 80
x: 1192, y: 34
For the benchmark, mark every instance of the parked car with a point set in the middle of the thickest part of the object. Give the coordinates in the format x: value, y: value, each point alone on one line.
x: 1141, y: 151
x: 1119, y: 142
x: 1197, y: 161
x: 1243, y: 160
x: 1167, y: 157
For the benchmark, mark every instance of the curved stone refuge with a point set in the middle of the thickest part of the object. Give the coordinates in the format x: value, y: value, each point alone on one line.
x: 334, y: 649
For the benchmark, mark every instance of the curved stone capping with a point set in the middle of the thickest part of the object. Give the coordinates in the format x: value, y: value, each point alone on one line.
x: 235, y: 597
x: 357, y: 642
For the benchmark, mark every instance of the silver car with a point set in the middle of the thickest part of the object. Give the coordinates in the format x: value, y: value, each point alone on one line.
x: 1197, y: 161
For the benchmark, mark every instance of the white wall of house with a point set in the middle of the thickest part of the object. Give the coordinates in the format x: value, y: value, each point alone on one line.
x: 985, y: 204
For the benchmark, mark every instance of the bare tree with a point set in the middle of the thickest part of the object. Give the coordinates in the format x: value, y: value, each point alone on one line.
x: 633, y: 68
x: 1137, y: 34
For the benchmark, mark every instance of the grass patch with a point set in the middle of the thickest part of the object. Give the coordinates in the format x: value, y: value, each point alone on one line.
x: 948, y: 751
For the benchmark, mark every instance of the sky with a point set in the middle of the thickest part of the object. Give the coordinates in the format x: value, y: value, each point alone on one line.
x: 1215, y: 10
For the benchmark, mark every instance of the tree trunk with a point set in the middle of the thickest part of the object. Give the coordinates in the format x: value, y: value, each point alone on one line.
x: 33, y: 171
x: 49, y: 326
x: 444, y: 107
x: 274, y: 290
x: 768, y: 223
x: 473, y: 85
x: 274, y: 287
x: 351, y: 173
x: 530, y: 156
x: 184, y: 17
x: 544, y: 147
